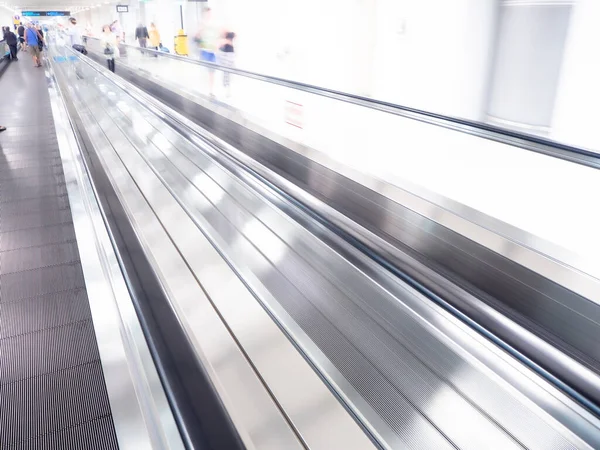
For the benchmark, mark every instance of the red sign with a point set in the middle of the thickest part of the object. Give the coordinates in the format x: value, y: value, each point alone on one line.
x: 294, y: 114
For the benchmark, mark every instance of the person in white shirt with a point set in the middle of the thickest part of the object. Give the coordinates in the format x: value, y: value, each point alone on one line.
x: 74, y: 32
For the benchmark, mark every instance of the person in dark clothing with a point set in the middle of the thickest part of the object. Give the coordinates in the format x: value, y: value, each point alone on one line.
x: 141, y: 34
x: 21, y: 33
x: 11, y: 41
x: 42, y: 38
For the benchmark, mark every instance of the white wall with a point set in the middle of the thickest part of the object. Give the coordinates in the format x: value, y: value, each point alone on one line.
x: 430, y: 54
x: 6, y: 18
x: 165, y: 15
x: 97, y: 17
x: 435, y: 54
x: 576, y: 110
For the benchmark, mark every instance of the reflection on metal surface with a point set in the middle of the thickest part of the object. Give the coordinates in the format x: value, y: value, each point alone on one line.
x: 397, y: 360
x: 140, y: 410
x: 207, y: 186
x: 271, y: 246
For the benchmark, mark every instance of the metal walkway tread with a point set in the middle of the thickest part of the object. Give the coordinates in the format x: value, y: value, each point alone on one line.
x: 52, y: 388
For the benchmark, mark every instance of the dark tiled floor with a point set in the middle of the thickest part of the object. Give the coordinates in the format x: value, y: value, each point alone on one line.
x: 52, y: 391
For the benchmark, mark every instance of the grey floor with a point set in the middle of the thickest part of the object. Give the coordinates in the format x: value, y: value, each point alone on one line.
x: 52, y: 390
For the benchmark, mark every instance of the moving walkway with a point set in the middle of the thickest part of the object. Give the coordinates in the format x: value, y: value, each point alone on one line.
x: 74, y: 364
x: 254, y: 311
x: 549, y: 295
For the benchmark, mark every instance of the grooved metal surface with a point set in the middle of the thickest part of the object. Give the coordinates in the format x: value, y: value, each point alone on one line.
x: 46, y: 311
x: 93, y: 435
x: 22, y: 191
x: 52, y: 402
x: 34, y: 237
x: 52, y: 389
x: 21, y: 285
x: 36, y: 353
x: 38, y: 257
x: 36, y: 204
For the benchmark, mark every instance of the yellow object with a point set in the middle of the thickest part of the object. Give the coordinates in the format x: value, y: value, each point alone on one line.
x: 154, y: 37
x: 181, y: 43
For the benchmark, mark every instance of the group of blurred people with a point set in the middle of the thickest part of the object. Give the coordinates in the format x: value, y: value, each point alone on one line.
x: 30, y: 38
x: 150, y: 38
x: 215, y: 43
x: 216, y: 46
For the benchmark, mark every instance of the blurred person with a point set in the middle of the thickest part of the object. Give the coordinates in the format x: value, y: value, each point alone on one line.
x: 208, y: 38
x: 11, y: 41
x: 110, y: 44
x: 42, y: 41
x: 32, y: 40
x: 227, y: 59
x: 21, y: 33
x: 74, y: 33
x: 42, y: 36
x: 141, y: 35
x: 154, y: 37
